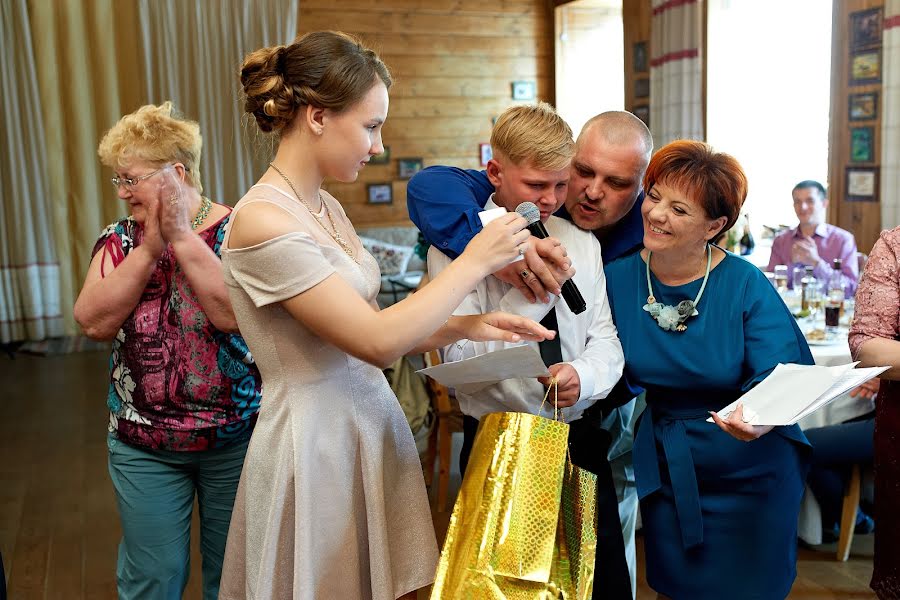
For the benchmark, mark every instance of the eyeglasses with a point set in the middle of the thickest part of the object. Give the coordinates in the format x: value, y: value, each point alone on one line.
x: 130, y: 182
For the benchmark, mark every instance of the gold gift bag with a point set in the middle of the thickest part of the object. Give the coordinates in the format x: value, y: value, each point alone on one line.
x: 523, y: 526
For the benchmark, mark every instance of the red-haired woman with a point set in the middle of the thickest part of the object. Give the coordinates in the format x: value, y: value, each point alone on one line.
x: 700, y: 327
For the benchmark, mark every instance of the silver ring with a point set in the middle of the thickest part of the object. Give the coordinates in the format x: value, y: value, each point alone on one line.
x: 521, y: 250
x: 525, y: 273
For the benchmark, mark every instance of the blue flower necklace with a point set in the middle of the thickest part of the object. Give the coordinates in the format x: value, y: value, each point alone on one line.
x: 672, y: 318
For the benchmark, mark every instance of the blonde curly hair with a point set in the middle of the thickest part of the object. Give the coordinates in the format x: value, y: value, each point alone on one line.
x: 157, y: 135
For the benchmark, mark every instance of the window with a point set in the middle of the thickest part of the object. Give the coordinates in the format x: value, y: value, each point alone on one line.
x: 768, y: 97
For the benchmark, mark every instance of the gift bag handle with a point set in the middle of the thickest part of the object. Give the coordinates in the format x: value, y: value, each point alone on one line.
x: 554, y: 385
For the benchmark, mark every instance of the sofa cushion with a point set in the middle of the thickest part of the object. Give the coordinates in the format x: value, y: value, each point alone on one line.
x: 391, y: 258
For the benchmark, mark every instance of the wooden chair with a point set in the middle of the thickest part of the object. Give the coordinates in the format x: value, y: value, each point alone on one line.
x: 848, y: 514
x: 449, y: 420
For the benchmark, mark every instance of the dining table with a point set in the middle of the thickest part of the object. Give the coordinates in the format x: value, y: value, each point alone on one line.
x: 833, y: 350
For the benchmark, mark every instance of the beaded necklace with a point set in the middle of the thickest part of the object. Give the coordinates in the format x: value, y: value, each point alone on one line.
x: 205, y: 206
x: 333, y: 232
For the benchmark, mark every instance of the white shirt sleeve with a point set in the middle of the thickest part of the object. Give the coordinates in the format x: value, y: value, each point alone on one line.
x: 600, y: 366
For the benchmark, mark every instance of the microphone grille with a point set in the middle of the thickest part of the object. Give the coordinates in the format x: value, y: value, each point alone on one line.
x: 529, y: 211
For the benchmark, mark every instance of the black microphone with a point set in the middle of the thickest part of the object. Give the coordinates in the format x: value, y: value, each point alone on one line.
x: 570, y: 293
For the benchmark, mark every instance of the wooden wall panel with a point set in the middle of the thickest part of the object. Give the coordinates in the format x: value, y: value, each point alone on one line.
x: 452, y: 63
x: 636, y: 28
x: 861, y: 218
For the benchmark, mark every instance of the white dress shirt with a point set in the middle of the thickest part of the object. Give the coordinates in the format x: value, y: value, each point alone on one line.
x: 589, y: 341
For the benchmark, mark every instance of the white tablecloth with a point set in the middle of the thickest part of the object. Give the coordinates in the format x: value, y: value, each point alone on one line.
x: 843, y: 408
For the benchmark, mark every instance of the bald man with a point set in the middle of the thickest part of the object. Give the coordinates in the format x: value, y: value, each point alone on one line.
x: 604, y: 196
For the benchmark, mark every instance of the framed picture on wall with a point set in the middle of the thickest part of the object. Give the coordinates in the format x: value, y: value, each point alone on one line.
x: 865, y: 67
x: 642, y: 113
x: 642, y: 88
x: 523, y: 90
x: 407, y: 167
x: 639, y: 57
x: 862, y: 144
x: 862, y: 184
x: 865, y: 28
x: 863, y: 107
x: 380, y: 193
x: 485, y: 153
x: 383, y: 158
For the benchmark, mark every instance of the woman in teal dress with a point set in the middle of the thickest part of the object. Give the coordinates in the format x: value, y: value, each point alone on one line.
x: 700, y: 327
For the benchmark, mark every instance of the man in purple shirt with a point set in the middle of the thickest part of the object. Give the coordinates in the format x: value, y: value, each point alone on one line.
x: 814, y: 242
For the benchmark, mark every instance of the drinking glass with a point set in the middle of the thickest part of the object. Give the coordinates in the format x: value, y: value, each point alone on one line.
x: 781, y: 278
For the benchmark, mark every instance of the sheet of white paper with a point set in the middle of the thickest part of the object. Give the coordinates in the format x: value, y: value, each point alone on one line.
x: 509, y: 363
x: 792, y: 391
x: 844, y: 384
x: 486, y: 216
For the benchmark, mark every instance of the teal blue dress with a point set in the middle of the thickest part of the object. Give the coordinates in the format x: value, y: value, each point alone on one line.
x: 719, y: 515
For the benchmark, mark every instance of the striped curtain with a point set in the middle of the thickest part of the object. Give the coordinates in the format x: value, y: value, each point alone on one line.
x: 890, y: 117
x: 676, y: 71
x: 30, y: 307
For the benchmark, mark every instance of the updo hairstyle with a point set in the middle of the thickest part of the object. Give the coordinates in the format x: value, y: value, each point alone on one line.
x: 325, y: 69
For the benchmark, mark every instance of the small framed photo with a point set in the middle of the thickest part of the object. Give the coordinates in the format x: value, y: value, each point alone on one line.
x: 639, y: 57
x: 642, y: 88
x: 407, y: 167
x: 865, y: 67
x: 861, y: 144
x: 642, y: 113
x: 485, y: 153
x: 524, y: 90
x: 863, y: 107
x: 381, y: 159
x: 380, y: 193
x: 865, y: 28
x: 862, y: 184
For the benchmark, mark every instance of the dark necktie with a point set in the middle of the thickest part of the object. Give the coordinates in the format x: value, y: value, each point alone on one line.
x: 551, y: 350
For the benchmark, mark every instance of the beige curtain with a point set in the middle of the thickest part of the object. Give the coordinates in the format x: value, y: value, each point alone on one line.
x: 676, y: 71
x: 890, y: 117
x: 192, y: 56
x: 30, y: 304
x: 70, y: 70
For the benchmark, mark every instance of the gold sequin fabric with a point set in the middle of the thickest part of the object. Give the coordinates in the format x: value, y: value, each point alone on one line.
x: 509, y: 536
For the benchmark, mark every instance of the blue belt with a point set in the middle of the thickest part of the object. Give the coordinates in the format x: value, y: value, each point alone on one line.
x: 680, y: 462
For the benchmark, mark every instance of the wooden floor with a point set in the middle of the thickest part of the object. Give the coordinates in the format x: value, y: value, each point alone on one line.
x: 58, y: 521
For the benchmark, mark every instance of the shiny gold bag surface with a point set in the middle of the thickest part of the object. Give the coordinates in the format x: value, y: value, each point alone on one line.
x: 523, y: 526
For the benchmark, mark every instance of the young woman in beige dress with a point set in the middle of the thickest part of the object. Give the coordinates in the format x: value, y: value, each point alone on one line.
x: 332, y: 502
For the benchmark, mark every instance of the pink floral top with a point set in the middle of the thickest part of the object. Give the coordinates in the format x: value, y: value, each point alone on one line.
x: 877, y: 313
x: 176, y: 382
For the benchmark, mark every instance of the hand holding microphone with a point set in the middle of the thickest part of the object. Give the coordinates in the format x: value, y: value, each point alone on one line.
x: 570, y: 293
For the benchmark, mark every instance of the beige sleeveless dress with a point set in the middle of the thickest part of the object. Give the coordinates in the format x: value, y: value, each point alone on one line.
x: 332, y: 502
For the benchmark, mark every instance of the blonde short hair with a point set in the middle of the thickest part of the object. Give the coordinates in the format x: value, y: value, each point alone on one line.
x: 154, y: 134
x: 534, y: 134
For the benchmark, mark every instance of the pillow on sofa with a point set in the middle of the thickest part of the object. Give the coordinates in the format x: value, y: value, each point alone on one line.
x: 391, y: 259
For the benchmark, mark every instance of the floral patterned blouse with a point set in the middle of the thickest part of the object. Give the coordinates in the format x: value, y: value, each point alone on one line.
x: 175, y: 381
